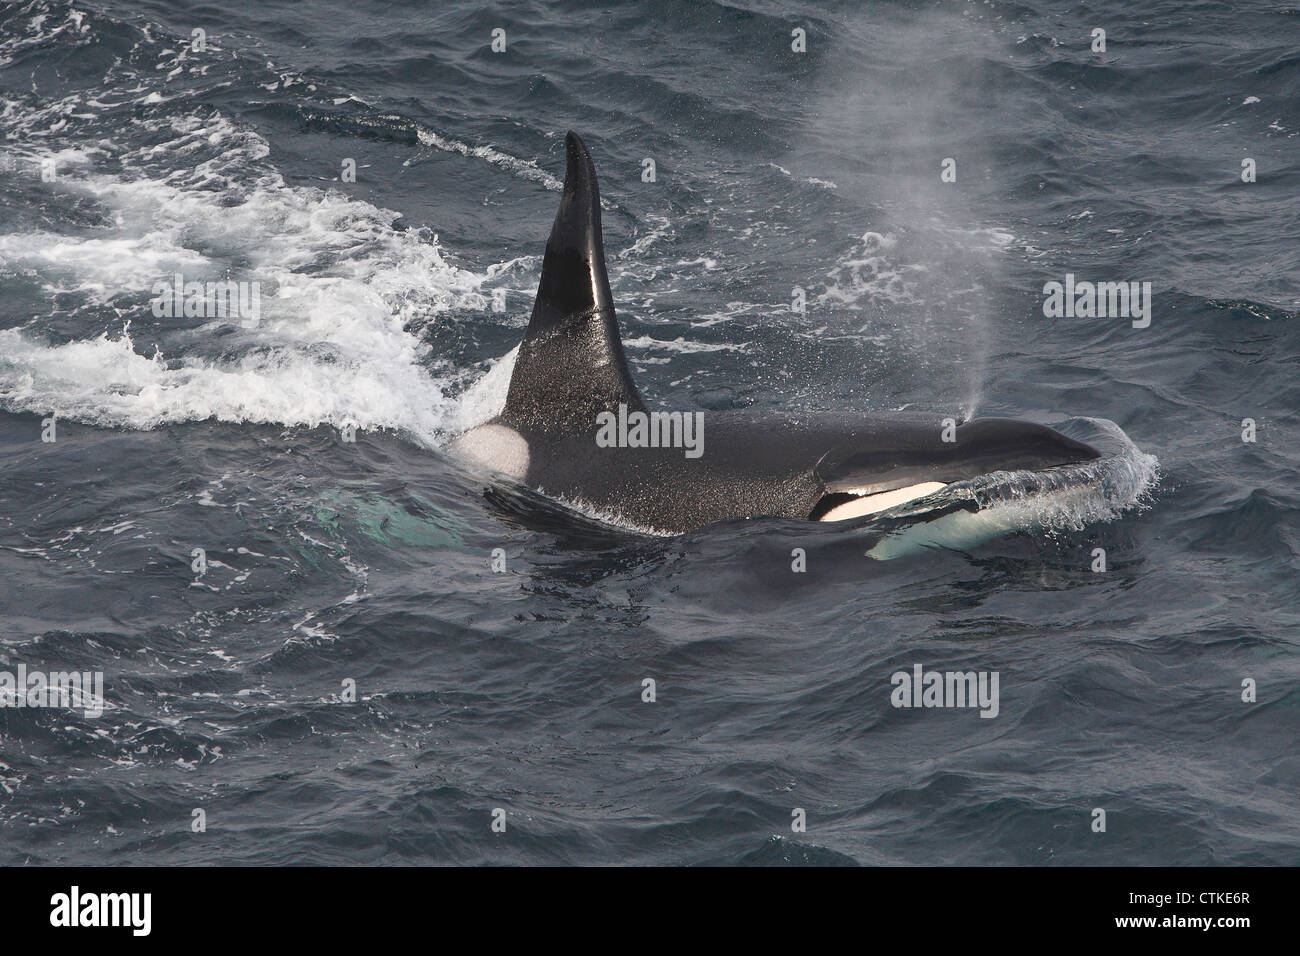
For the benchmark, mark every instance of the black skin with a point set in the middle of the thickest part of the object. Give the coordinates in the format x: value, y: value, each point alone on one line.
x: 571, y: 367
x: 781, y: 467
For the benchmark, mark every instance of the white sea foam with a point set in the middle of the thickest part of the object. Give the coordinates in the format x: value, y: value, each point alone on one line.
x: 868, y: 271
x: 342, y: 291
x: 521, y: 167
x: 486, y: 397
x: 681, y: 345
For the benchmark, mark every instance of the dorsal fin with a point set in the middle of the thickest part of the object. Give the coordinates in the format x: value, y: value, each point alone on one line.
x: 571, y: 364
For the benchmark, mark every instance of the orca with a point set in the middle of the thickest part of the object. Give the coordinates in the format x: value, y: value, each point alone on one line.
x: 575, y: 428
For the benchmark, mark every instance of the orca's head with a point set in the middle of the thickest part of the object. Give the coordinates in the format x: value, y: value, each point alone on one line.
x: 884, y: 467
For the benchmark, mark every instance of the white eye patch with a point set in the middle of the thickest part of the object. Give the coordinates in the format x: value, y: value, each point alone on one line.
x: 870, y: 504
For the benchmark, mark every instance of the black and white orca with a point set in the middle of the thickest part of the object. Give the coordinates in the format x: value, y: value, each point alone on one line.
x: 575, y: 428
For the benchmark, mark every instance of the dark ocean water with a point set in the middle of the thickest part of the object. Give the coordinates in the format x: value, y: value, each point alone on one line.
x: 330, y: 561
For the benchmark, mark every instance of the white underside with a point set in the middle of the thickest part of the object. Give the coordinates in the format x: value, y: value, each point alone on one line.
x: 963, y: 530
x: 871, y: 504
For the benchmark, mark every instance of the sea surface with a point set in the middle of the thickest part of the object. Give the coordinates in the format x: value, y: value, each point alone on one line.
x: 329, y: 651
